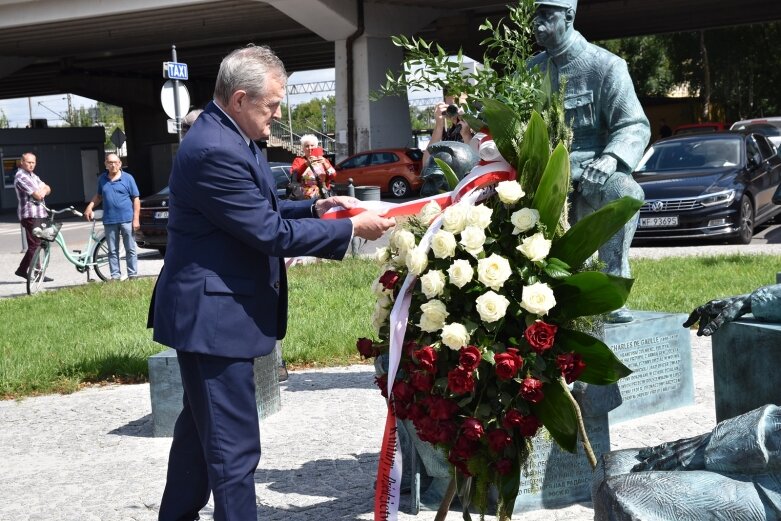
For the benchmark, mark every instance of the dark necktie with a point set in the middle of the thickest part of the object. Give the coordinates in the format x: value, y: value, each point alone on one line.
x: 254, y: 151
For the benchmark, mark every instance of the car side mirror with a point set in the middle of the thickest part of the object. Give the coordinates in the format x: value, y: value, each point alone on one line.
x: 755, y: 159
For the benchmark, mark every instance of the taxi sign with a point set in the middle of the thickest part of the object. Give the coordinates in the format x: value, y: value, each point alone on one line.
x: 174, y: 70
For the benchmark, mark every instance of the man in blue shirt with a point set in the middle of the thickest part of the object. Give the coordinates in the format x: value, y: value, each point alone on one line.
x: 121, y: 207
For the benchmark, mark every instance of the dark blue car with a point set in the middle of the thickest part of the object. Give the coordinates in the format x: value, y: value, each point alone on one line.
x: 716, y: 186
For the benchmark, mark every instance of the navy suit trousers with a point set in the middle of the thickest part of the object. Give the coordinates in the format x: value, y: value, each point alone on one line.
x: 216, y: 444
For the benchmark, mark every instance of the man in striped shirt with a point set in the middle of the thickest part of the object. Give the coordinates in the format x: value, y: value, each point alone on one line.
x: 29, y: 189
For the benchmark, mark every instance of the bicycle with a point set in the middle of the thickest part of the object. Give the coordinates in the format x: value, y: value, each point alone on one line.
x: 95, y: 255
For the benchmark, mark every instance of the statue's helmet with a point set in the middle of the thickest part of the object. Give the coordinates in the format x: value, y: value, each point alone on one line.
x: 565, y: 4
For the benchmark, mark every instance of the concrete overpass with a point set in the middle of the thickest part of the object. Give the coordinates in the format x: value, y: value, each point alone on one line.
x: 112, y: 50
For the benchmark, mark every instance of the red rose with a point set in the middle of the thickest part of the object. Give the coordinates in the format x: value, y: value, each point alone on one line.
x: 440, y: 408
x: 446, y: 433
x: 460, y: 380
x: 470, y: 357
x: 508, y: 364
x: 459, y: 464
x: 366, y: 348
x: 427, y: 429
x: 503, y: 466
x: 389, y: 279
x: 571, y: 366
x: 529, y: 425
x: 512, y: 419
x: 382, y: 383
x: 409, y: 348
x: 403, y: 392
x: 464, y: 448
x: 531, y: 390
x: 540, y: 336
x: 416, y: 410
x: 427, y: 358
x: 472, y: 429
x: 401, y: 410
x: 498, y: 439
x: 421, y: 381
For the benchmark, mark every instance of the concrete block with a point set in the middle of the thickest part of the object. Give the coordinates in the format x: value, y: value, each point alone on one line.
x: 165, y: 388
x: 658, y: 349
x: 746, y: 358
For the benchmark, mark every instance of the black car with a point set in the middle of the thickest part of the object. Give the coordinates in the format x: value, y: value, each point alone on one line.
x: 153, y: 232
x: 708, y: 186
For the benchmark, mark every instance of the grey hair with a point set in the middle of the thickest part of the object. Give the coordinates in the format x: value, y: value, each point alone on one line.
x: 309, y: 138
x: 247, y: 69
x: 189, y: 119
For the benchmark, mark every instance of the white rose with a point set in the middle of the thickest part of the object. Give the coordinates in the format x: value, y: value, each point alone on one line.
x: 379, y: 289
x: 493, y: 271
x: 382, y: 254
x: 403, y: 241
x: 433, y: 317
x: 454, y: 218
x: 428, y: 212
x: 491, y: 306
x: 535, y: 248
x: 472, y: 239
x: 524, y: 219
x: 399, y: 261
x: 537, y: 298
x: 455, y: 336
x: 380, y: 315
x: 489, y: 152
x: 509, y: 192
x: 443, y: 244
x: 417, y: 260
x: 479, y: 216
x: 432, y: 283
x: 460, y: 273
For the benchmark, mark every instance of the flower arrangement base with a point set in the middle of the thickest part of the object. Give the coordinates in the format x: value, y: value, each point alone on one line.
x: 658, y: 349
x: 165, y: 388
x: 745, y: 347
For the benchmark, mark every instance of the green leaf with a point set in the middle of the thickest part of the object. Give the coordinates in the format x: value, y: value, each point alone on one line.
x: 555, y: 271
x: 587, y: 235
x: 533, y: 154
x: 602, y: 365
x: 589, y: 293
x: 510, y: 484
x: 450, y: 176
x: 557, y: 414
x: 551, y: 193
x: 474, y: 123
x: 505, y: 128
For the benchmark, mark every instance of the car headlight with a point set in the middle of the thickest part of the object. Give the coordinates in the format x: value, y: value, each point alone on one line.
x: 725, y: 197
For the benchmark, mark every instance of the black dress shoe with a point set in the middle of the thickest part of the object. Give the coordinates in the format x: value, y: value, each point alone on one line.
x: 48, y: 279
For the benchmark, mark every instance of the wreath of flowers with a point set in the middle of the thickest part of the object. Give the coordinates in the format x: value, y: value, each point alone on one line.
x: 503, y: 298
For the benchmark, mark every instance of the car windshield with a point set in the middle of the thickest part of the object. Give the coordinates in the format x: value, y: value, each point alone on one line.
x: 164, y: 191
x: 766, y: 127
x: 691, y: 155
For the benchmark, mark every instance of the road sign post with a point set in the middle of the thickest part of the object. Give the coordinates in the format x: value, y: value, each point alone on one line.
x: 175, y: 71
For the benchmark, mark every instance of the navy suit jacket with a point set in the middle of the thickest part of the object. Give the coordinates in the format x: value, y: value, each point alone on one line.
x: 223, y: 290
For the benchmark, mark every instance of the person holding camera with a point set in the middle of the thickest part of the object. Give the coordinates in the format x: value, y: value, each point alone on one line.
x: 448, y: 125
x: 312, y: 171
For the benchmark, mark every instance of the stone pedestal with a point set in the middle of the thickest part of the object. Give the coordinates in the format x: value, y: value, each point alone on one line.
x: 658, y: 349
x: 746, y: 358
x: 165, y: 388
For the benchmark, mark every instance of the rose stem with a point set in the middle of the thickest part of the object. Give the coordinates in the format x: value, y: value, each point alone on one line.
x: 592, y: 459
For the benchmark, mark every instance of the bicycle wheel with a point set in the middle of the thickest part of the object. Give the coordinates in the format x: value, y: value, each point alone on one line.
x: 36, y: 274
x: 100, y: 259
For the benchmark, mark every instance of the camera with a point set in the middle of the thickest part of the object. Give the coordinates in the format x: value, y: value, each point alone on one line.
x: 450, y: 111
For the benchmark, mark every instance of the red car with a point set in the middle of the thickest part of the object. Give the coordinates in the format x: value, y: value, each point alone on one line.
x: 395, y: 170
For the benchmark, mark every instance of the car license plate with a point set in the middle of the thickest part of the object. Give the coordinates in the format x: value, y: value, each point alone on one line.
x: 658, y: 222
x: 161, y: 215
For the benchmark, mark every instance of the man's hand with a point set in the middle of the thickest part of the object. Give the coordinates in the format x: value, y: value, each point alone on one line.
x: 370, y: 226
x: 346, y: 202
x: 599, y: 170
x: 136, y: 225
x: 88, y: 213
x: 712, y: 315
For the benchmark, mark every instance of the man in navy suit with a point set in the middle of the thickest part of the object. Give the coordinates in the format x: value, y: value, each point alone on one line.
x: 221, y: 299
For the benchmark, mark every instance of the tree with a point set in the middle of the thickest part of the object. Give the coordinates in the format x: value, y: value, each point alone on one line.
x: 648, y: 63
x: 4, y: 123
x: 421, y: 118
x: 110, y: 117
x: 308, y: 117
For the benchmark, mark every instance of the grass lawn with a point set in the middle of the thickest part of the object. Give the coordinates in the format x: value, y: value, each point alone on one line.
x: 60, y: 340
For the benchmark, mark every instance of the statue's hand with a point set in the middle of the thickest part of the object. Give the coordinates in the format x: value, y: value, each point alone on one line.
x: 599, y: 170
x: 712, y: 315
x: 685, y: 454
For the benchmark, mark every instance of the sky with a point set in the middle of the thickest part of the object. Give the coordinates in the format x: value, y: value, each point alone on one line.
x: 53, y: 108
